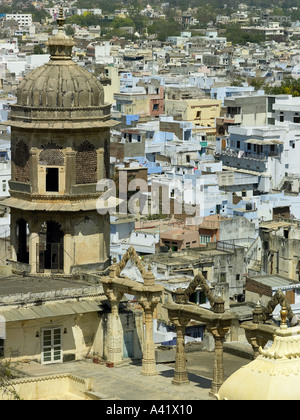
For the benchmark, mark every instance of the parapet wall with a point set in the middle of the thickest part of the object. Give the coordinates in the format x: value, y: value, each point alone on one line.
x: 52, y: 387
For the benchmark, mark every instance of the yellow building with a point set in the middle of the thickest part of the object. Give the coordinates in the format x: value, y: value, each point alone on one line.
x: 201, y: 112
x: 132, y: 103
x: 110, y: 83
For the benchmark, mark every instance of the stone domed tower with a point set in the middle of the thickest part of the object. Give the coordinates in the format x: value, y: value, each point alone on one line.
x: 60, y: 136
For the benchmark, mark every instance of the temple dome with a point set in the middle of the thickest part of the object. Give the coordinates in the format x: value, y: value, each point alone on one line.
x: 273, y: 375
x: 60, y: 93
x: 60, y: 84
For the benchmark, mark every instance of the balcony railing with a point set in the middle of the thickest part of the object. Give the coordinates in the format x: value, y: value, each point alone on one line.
x: 249, y: 155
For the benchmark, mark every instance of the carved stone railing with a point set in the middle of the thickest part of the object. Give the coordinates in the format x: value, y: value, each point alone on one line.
x: 217, y: 322
x: 148, y: 295
x: 261, y: 329
x: 278, y: 298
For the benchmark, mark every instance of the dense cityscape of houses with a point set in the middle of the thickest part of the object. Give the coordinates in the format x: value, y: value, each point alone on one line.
x: 195, y: 121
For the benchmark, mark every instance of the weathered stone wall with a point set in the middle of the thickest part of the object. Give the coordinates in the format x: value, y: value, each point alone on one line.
x: 23, y: 339
x: 59, y: 386
x: 257, y: 287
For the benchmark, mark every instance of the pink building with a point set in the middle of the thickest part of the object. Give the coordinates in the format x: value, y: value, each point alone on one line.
x: 180, y: 239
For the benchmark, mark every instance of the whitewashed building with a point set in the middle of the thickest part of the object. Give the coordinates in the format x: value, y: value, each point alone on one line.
x: 269, y: 152
x: 23, y: 19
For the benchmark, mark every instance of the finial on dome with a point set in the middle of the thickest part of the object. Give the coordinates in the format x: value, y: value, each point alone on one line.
x: 61, y: 18
x: 60, y: 45
x: 284, y: 314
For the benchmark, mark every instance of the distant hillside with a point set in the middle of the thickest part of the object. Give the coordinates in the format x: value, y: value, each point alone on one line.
x: 185, y: 4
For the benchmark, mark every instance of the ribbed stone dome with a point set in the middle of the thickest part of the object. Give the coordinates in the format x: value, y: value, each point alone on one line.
x: 60, y: 93
x: 60, y: 83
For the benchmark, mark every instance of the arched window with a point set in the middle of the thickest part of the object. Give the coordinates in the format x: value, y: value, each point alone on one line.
x: 22, y: 233
x: 50, y: 250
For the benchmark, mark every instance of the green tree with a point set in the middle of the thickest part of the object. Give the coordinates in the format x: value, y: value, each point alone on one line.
x: 164, y: 28
x: 236, y: 35
x: 69, y: 30
x: 121, y: 22
x: 289, y: 86
x: 37, y: 49
x: 257, y: 82
x: 237, y: 82
x: 140, y: 22
x: 206, y: 14
x: 6, y: 375
x: 84, y: 20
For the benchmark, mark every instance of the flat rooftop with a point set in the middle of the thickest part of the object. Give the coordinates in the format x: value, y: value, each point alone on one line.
x: 273, y: 280
x: 16, y: 289
x: 125, y: 382
x: 14, y: 284
x: 277, y: 224
x: 184, y: 257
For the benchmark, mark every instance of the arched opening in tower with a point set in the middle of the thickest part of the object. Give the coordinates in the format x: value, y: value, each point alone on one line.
x: 51, y: 248
x: 22, y: 241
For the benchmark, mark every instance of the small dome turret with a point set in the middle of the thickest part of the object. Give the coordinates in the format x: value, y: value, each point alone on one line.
x: 59, y: 91
x: 273, y: 375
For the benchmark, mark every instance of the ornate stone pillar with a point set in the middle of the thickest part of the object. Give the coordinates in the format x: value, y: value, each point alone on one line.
x: 34, y: 226
x: 100, y: 164
x: 114, y: 331
x: 180, y: 372
x: 148, y: 362
x: 219, y: 333
x: 34, y: 164
x: 70, y: 165
x: 68, y: 252
x: 13, y: 237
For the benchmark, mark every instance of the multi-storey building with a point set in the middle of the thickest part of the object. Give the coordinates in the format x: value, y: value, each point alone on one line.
x: 22, y: 19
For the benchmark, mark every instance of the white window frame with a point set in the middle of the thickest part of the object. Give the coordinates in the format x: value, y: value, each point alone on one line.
x: 205, y: 239
x: 52, y: 347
